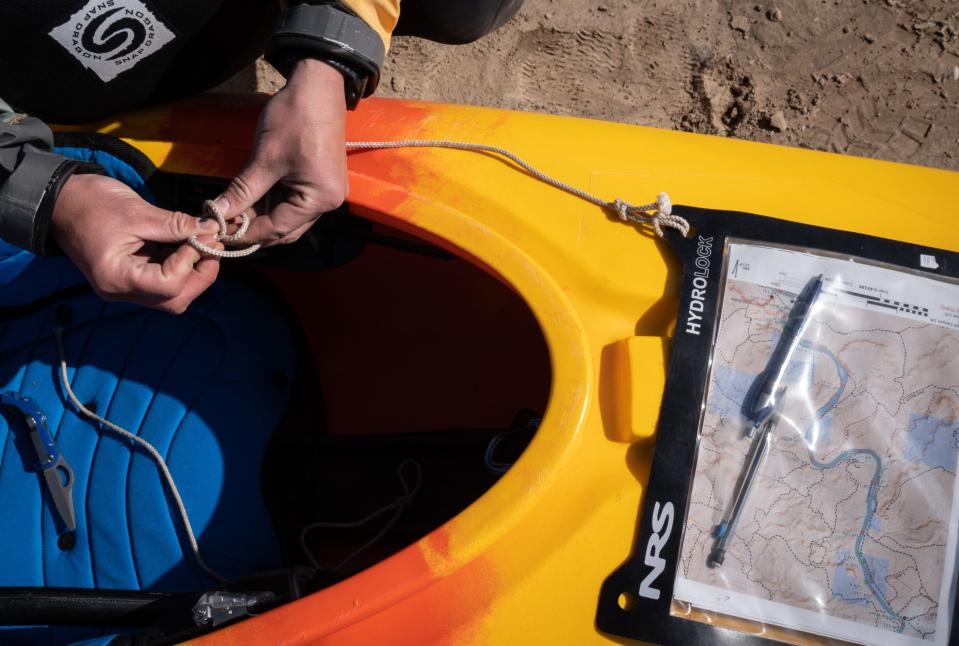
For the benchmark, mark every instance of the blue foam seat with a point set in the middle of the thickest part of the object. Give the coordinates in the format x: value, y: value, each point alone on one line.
x: 206, y: 388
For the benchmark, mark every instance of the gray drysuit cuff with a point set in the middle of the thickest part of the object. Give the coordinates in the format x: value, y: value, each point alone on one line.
x: 29, y: 193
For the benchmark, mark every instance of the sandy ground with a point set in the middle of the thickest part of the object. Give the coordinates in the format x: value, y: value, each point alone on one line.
x: 878, y: 78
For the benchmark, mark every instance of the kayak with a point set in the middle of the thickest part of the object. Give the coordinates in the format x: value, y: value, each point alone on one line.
x: 495, y: 293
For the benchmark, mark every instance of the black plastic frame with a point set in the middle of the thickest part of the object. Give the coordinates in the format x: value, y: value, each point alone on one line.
x: 674, y: 453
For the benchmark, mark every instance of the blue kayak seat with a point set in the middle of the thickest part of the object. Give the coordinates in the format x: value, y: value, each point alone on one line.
x: 206, y: 388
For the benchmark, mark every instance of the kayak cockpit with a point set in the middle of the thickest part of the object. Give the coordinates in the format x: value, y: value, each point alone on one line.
x: 417, y: 357
x: 416, y: 380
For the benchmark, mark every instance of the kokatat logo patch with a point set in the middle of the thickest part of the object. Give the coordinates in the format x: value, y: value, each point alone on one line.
x: 109, y: 37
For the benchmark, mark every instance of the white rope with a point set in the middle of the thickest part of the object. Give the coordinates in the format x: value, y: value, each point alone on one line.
x: 209, y: 208
x: 149, y: 448
x: 398, y: 506
x: 658, y: 214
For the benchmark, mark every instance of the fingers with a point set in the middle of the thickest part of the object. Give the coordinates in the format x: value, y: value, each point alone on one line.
x: 202, y: 277
x: 296, y: 234
x: 153, y: 281
x: 284, y: 225
x: 292, y: 217
x: 247, y: 188
x: 176, y: 282
x: 160, y: 225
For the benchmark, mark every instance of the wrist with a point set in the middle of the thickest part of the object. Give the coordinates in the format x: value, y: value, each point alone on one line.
x: 315, y: 72
x: 315, y: 89
x: 73, y: 191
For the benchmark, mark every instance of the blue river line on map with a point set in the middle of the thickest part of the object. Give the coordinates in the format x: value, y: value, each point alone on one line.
x: 871, y: 504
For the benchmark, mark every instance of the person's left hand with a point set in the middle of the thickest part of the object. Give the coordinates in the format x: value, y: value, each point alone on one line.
x: 130, y: 250
x: 299, y: 149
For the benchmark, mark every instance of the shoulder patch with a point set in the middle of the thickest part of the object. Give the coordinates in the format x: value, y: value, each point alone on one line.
x: 110, y: 37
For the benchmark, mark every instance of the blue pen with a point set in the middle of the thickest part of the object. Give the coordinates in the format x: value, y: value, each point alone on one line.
x: 762, y: 402
x: 764, y: 410
x: 757, y: 452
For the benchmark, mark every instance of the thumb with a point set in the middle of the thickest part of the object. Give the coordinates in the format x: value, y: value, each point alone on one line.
x: 246, y: 189
x: 160, y: 225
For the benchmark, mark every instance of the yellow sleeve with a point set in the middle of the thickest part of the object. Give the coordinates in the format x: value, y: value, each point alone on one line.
x: 381, y: 15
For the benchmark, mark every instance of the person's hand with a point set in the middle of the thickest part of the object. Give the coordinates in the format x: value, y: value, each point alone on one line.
x: 129, y: 249
x: 299, y: 149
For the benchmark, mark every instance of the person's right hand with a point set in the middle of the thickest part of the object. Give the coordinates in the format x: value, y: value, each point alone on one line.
x: 129, y: 249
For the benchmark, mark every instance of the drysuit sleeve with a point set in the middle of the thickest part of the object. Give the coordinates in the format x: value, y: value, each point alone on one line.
x: 31, y: 176
x: 381, y: 15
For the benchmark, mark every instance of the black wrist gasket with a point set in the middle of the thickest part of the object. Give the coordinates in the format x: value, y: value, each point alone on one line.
x: 43, y: 243
x: 330, y: 34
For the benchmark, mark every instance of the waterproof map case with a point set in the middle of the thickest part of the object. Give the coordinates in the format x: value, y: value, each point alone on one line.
x: 803, y: 486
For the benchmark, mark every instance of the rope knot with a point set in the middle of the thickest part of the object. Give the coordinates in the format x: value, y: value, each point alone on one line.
x: 209, y: 208
x: 622, y: 208
x: 659, y: 214
x: 664, y: 206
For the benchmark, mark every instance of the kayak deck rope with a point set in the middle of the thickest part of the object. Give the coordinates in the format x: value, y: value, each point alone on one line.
x: 149, y: 448
x: 657, y: 214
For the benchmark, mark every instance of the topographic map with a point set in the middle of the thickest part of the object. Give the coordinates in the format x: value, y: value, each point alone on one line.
x: 849, y: 528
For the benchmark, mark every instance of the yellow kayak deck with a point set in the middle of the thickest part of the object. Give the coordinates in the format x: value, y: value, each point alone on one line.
x: 525, y: 563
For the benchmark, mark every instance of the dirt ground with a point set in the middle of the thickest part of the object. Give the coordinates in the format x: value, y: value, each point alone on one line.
x: 878, y: 78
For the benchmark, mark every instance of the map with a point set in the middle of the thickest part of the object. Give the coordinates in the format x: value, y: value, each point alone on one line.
x: 849, y: 527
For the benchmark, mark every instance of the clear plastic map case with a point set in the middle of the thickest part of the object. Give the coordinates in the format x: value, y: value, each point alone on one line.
x: 803, y: 483
x: 823, y: 498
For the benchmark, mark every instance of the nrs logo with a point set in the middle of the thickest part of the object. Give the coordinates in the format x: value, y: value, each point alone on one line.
x: 109, y: 37
x: 662, y: 516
